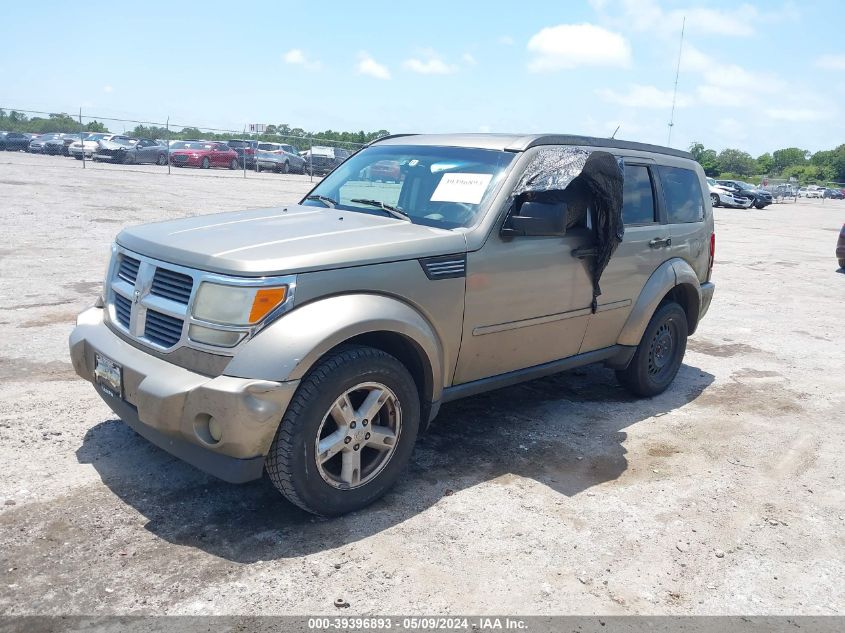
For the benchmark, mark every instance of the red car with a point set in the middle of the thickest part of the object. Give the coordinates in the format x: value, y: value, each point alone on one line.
x: 203, y: 154
x: 840, y: 248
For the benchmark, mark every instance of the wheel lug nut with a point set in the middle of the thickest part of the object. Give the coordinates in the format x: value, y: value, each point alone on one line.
x: 357, y: 446
x: 365, y: 422
x: 352, y: 425
x: 367, y: 436
x: 347, y: 439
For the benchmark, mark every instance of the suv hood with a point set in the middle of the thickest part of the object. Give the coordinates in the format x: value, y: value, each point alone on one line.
x: 287, y: 240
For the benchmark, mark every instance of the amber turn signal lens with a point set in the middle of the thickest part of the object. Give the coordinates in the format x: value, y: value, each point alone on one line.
x: 265, y: 300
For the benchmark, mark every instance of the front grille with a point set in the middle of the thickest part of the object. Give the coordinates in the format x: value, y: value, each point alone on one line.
x: 163, y: 329
x: 172, y: 285
x: 128, y: 270
x: 179, y: 158
x: 122, y: 308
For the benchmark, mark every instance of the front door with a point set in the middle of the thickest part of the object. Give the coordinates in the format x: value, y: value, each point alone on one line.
x: 527, y: 303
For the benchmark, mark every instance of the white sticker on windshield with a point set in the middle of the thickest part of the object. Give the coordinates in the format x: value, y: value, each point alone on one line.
x: 457, y: 187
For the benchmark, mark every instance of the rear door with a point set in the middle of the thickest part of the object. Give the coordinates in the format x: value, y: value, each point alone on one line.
x: 644, y: 247
x: 685, y: 213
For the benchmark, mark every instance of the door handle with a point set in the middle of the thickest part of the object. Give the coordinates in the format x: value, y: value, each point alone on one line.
x: 659, y: 242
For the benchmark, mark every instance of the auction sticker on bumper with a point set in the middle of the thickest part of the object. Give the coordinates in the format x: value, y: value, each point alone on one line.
x: 108, y: 375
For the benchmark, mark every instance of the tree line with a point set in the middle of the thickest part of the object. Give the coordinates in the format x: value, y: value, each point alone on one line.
x: 821, y: 167
x: 807, y: 168
x: 301, y: 139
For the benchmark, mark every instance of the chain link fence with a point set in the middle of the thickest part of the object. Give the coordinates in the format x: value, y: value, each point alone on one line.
x: 99, y: 142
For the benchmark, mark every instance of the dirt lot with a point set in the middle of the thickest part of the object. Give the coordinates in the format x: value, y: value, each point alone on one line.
x: 564, y: 495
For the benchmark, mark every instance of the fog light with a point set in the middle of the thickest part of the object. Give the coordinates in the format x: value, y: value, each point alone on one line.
x: 209, y: 336
x: 215, y: 430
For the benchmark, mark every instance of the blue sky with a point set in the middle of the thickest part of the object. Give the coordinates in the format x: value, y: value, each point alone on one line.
x: 758, y: 76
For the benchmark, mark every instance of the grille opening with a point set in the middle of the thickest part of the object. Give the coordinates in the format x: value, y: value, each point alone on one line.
x: 122, y: 307
x: 163, y: 329
x: 172, y: 285
x: 128, y: 269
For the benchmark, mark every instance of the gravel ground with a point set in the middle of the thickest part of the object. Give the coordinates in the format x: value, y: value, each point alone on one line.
x: 724, y: 495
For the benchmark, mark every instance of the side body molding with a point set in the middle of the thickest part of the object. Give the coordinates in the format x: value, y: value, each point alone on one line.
x: 669, y: 274
x: 289, y: 347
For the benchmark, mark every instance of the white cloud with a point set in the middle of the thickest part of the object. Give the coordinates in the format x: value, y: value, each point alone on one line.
x: 721, y: 96
x: 648, y: 15
x: 107, y: 89
x: 638, y: 96
x: 831, y: 62
x: 796, y: 115
x: 568, y: 46
x: 431, y: 65
x: 468, y: 59
x: 506, y: 40
x: 296, y: 57
x: 369, y: 66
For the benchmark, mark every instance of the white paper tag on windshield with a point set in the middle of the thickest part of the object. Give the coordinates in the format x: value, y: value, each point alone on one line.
x: 468, y: 188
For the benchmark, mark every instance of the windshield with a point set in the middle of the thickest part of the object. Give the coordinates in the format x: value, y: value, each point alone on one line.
x: 190, y: 145
x: 437, y: 186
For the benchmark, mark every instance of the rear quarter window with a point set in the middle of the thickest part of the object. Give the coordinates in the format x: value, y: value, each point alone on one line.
x: 682, y: 193
x: 637, y: 196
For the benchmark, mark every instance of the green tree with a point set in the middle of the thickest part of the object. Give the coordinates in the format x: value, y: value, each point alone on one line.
x: 707, y: 158
x: 765, y: 163
x: 736, y: 161
x: 783, y: 158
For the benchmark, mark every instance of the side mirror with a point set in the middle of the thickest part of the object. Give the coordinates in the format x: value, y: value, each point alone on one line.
x: 537, y: 219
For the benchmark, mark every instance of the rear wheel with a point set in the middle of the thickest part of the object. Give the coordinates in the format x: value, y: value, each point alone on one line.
x: 659, y: 354
x: 285, y: 167
x: 348, y: 432
x: 206, y: 163
x: 162, y: 159
x: 714, y: 199
x: 234, y: 164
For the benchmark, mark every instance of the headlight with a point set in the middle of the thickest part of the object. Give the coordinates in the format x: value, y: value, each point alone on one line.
x: 236, y: 305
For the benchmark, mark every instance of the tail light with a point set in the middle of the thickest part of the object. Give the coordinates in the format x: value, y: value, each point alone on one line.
x: 712, y: 255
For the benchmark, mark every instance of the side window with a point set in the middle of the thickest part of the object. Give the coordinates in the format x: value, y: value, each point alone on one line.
x: 638, y: 196
x: 682, y: 192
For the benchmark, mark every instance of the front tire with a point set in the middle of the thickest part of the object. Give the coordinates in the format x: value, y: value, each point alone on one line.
x: 348, y: 432
x: 714, y: 200
x: 659, y: 354
x: 162, y: 159
x: 234, y: 164
x: 206, y: 163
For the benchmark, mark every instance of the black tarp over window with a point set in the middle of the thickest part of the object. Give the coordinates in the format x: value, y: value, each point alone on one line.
x: 567, y: 174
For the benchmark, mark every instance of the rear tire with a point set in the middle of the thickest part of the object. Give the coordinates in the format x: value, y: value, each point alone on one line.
x: 162, y: 159
x: 234, y: 164
x: 321, y: 484
x: 714, y: 200
x: 842, y: 263
x: 206, y: 163
x: 285, y: 167
x: 659, y: 354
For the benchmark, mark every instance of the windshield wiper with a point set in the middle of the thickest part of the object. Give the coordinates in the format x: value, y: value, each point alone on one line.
x: 329, y: 202
x: 396, y: 212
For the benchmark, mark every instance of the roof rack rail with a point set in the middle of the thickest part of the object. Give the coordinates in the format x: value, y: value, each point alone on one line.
x: 595, y: 141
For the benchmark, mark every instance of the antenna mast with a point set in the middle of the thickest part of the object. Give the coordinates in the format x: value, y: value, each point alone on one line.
x: 675, y: 91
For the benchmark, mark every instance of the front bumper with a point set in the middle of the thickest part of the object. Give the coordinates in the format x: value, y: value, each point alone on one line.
x: 171, y: 406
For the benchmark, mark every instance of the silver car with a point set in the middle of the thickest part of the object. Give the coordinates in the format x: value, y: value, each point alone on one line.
x: 279, y: 161
x: 132, y: 151
x: 317, y: 339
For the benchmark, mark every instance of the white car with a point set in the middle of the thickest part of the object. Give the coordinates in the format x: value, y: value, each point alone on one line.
x: 90, y: 144
x: 722, y: 197
x: 811, y: 192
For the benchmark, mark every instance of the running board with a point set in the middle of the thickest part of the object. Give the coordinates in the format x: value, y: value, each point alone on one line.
x: 620, y: 355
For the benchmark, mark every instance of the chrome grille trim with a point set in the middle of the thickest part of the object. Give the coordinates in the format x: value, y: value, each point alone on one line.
x: 128, y: 269
x: 150, y: 301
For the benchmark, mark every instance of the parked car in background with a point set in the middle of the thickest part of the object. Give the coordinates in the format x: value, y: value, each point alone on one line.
x: 834, y: 194
x: 14, y: 141
x: 810, y: 192
x: 785, y: 191
x: 91, y: 143
x: 204, y: 154
x: 246, y: 150
x: 280, y: 162
x: 840, y: 247
x: 386, y: 170
x: 132, y: 151
x: 723, y: 197
x: 39, y: 143
x: 321, y: 160
x: 760, y: 197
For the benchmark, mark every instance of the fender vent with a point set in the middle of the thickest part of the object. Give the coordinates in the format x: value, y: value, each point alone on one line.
x: 445, y: 266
